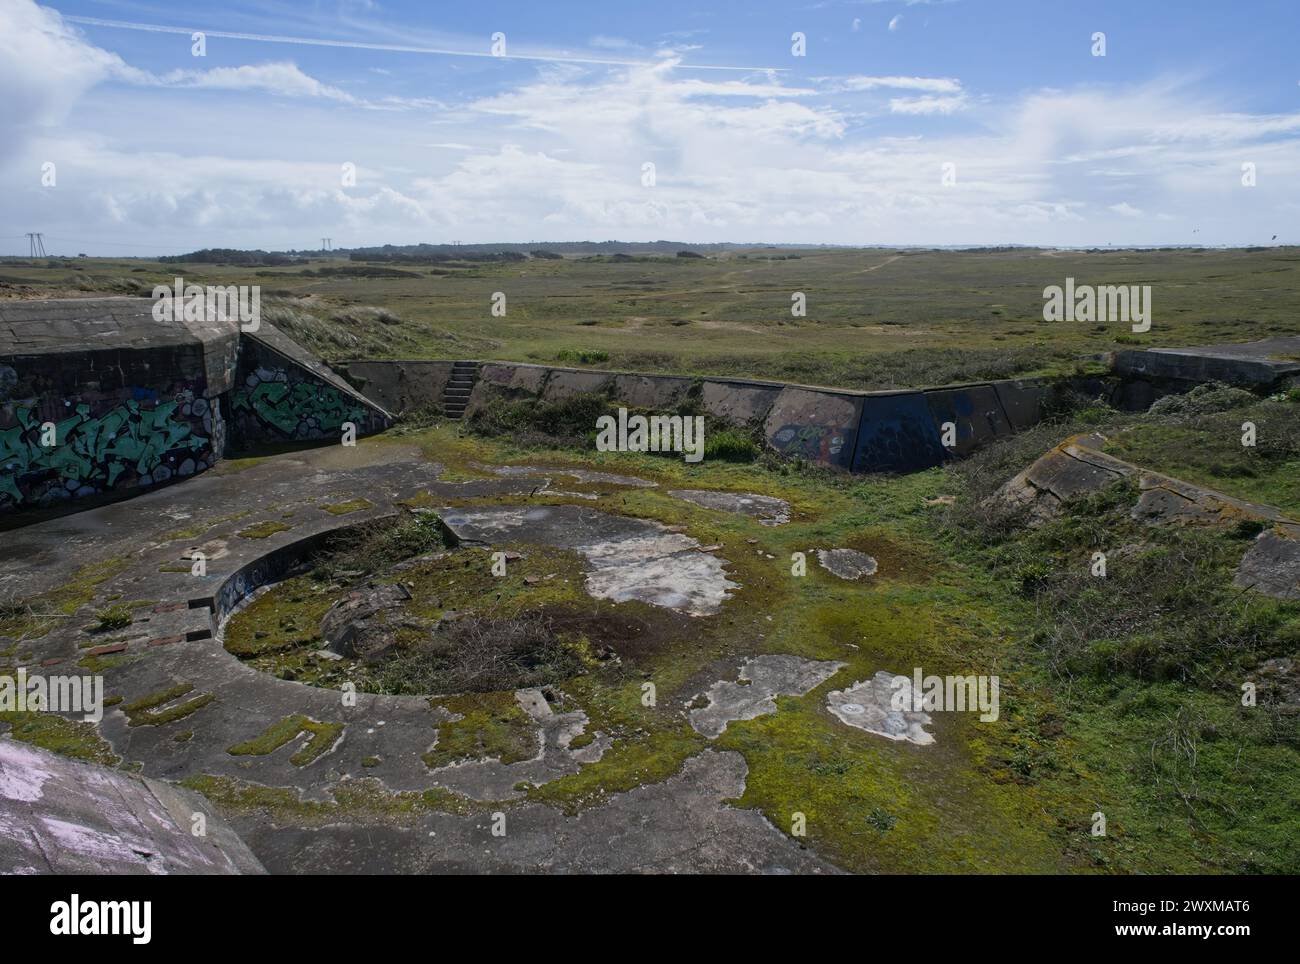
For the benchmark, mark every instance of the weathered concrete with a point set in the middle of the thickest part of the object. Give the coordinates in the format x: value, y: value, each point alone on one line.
x: 490, y: 779
x: 761, y: 680
x: 137, y: 402
x: 588, y: 476
x: 868, y: 705
x: 1077, y: 468
x: 382, y: 738
x: 401, y: 387
x: 820, y: 426
x: 847, y: 563
x: 630, y: 558
x: 975, y: 410
x: 58, y: 816
x: 1022, y: 401
x: 768, y: 510
x: 1256, y: 364
x: 682, y: 825
x: 740, y: 402
x: 897, y: 434
x: 565, y: 383
x: 1272, y: 564
x: 282, y: 393
x: 659, y: 392
x: 134, y: 401
x: 895, y: 431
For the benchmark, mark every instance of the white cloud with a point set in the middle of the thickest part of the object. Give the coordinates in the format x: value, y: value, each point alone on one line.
x: 896, y: 21
x: 283, y: 79
x: 1126, y: 209
x: 938, y: 85
x: 926, y: 105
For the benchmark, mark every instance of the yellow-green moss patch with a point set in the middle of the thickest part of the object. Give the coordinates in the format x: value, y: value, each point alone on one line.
x: 323, y: 738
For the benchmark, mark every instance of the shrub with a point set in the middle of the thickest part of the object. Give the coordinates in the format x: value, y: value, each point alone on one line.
x: 114, y: 617
x: 731, y: 445
x: 581, y: 356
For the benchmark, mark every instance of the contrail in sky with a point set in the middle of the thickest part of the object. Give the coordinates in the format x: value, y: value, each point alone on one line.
x: 397, y: 48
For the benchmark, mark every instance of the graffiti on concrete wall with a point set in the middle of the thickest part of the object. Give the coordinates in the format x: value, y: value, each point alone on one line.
x: 828, y: 444
x: 284, y: 403
x: 140, y: 440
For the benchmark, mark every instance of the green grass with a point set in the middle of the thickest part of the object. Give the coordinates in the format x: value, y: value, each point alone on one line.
x: 866, y: 328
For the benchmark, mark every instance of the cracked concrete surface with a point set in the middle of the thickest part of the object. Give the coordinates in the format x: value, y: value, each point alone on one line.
x: 868, y: 705
x: 682, y: 825
x: 769, y: 511
x: 760, y: 680
x: 847, y: 563
x: 630, y: 558
x: 490, y: 779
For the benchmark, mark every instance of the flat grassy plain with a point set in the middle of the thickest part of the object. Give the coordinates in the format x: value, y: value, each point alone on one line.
x: 876, y: 318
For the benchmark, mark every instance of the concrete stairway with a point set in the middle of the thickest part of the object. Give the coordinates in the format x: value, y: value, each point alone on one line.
x: 456, y: 395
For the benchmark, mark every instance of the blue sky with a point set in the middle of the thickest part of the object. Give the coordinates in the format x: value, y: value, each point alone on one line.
x: 155, y: 150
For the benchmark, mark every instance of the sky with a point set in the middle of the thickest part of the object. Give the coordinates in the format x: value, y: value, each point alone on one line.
x: 964, y: 122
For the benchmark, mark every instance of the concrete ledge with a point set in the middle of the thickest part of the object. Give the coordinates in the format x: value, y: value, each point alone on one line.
x: 64, y: 817
x: 1256, y: 364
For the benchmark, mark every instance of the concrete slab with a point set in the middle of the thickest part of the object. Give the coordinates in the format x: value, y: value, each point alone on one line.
x: 59, y: 816
x: 769, y: 511
x: 760, y: 680
x: 630, y: 558
x: 1256, y: 364
x: 847, y: 563
x: 1272, y: 564
x: 642, y: 831
x: 869, y: 705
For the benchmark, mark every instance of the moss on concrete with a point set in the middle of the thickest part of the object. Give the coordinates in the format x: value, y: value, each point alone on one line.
x: 71, y: 738
x: 322, y: 738
x: 34, y: 617
x: 351, y: 505
x: 145, y: 711
x: 491, y: 726
x: 264, y: 530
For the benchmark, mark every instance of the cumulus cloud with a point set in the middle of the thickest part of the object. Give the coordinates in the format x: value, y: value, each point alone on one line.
x: 45, y: 68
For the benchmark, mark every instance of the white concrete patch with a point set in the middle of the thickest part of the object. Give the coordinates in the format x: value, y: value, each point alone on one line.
x: 761, y: 679
x: 868, y: 705
x: 664, y: 569
x: 768, y: 510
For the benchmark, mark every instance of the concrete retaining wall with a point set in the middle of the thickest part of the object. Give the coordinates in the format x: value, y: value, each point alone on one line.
x: 858, y: 431
x: 400, y: 386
